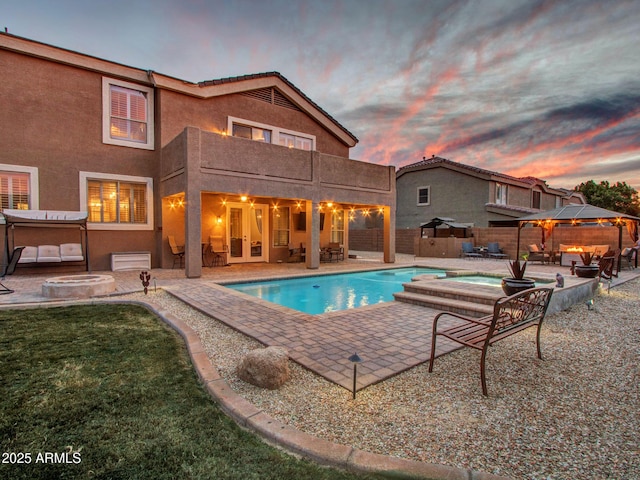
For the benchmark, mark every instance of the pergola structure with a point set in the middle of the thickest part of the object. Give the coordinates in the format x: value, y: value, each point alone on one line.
x: 575, y: 214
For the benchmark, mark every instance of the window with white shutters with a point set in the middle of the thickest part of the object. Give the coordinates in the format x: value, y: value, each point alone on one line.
x: 117, y: 202
x: 127, y: 114
x: 14, y: 190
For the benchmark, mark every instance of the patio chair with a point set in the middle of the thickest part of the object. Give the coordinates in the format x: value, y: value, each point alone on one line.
x: 468, y: 251
x: 219, y: 250
x: 536, y: 253
x: 294, y: 253
x: 177, y: 251
x: 494, y: 251
x: 605, y: 267
x: 9, y: 268
x: 627, y: 256
x: 337, y: 251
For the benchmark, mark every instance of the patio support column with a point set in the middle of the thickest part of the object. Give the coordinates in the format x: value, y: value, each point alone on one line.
x: 312, y: 258
x: 193, y: 226
x: 389, y: 255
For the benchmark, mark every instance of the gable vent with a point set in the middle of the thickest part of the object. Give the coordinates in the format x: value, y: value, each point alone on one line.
x: 282, y: 101
x: 272, y: 96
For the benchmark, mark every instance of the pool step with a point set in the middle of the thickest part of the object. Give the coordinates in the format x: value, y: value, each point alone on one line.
x: 465, y: 299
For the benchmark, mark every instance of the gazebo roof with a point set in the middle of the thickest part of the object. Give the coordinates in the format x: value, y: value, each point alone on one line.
x: 578, y: 213
x: 447, y: 222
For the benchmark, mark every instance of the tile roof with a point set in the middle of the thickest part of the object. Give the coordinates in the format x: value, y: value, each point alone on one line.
x: 425, y: 162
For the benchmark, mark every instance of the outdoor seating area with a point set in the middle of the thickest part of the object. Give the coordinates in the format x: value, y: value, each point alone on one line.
x: 66, y: 252
x: 492, y: 250
x: 537, y: 254
x: 333, y: 252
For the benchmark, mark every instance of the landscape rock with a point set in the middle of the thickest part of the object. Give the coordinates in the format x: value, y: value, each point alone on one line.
x: 265, y: 367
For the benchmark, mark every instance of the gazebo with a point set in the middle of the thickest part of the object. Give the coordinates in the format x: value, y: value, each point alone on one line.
x: 576, y: 214
x: 446, y: 223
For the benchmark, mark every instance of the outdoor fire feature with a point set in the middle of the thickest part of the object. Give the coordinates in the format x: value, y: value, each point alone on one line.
x: 78, y: 286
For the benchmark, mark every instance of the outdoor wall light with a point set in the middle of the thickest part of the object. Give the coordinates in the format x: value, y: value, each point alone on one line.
x: 243, y: 198
x: 355, y: 359
x: 219, y: 220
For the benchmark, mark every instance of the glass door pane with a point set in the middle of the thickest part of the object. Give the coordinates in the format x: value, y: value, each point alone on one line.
x: 235, y: 232
x: 256, y: 217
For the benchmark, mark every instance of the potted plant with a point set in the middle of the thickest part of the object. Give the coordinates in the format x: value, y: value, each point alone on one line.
x: 587, y: 270
x: 517, y: 282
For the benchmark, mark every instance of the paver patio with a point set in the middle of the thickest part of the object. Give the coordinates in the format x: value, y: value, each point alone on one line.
x: 321, y: 343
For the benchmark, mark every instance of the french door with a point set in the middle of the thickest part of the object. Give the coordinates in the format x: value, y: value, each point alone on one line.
x: 248, y: 232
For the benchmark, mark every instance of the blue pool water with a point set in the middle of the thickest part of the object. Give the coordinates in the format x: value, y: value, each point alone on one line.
x: 330, y: 293
x: 477, y: 280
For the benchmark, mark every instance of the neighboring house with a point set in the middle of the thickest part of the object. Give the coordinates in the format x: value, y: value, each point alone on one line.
x: 251, y: 159
x: 440, y: 188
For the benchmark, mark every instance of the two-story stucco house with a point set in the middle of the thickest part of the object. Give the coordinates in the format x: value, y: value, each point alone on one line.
x: 440, y: 188
x: 146, y: 156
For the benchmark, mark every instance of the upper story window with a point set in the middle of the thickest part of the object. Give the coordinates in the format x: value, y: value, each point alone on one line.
x: 270, y: 134
x: 117, y: 202
x: 424, y: 196
x: 294, y: 141
x: 252, y: 133
x: 535, y: 201
x: 501, y: 194
x: 18, y: 187
x: 127, y: 111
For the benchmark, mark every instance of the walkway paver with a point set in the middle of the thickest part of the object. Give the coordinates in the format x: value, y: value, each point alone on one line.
x: 323, y: 343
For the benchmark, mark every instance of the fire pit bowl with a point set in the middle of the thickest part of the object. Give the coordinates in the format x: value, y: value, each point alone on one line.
x: 78, y: 286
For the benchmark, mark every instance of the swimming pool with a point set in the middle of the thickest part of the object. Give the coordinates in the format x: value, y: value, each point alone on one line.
x: 329, y: 293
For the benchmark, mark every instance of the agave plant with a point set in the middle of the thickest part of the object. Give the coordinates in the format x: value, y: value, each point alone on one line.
x: 586, y: 257
x: 517, y: 269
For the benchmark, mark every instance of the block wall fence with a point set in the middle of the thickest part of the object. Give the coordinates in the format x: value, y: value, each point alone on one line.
x: 407, y: 240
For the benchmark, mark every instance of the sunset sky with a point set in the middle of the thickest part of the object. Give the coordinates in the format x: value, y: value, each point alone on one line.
x: 524, y: 87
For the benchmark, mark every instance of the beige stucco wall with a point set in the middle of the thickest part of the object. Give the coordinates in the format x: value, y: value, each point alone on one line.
x: 52, y: 120
x: 178, y: 111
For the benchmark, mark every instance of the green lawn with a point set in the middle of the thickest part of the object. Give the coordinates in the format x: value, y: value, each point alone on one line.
x: 108, y: 391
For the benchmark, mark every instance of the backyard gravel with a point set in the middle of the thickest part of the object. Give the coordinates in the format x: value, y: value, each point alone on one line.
x: 573, y: 415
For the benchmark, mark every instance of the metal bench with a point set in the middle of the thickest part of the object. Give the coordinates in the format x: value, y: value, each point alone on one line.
x: 510, y: 315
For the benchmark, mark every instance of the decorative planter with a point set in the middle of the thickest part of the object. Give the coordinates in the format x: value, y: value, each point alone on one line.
x: 587, y: 271
x: 511, y: 286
